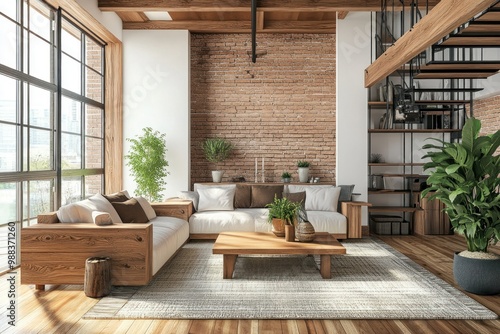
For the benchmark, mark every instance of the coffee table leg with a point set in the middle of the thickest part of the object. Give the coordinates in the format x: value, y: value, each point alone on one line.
x: 325, y: 266
x: 229, y: 261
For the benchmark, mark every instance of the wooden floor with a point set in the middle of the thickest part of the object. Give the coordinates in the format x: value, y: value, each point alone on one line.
x: 60, y: 308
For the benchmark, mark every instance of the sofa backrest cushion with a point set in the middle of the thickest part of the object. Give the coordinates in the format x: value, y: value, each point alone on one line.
x: 192, y: 196
x: 130, y: 211
x: 216, y: 198
x: 264, y: 194
x: 298, y: 197
x: 322, y: 199
x: 243, y: 196
x: 121, y: 196
x: 81, y: 211
x: 146, y: 206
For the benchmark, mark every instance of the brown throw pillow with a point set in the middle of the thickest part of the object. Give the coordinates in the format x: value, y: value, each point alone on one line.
x: 243, y: 196
x: 130, y: 211
x: 299, y: 197
x: 116, y: 197
x: 263, y: 195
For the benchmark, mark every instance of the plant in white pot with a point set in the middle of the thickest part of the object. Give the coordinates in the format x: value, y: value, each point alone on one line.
x: 146, y: 159
x: 303, y: 170
x: 216, y: 150
x: 465, y: 177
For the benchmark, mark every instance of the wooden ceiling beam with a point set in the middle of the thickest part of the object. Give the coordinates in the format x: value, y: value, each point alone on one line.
x: 342, y: 15
x: 311, y: 27
x: 238, y: 5
x: 439, y: 22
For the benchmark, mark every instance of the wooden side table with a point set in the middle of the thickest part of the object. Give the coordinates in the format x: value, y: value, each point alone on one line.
x: 178, y: 208
x: 352, y: 210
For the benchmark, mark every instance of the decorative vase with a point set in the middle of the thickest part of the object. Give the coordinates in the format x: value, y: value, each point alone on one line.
x: 278, y: 227
x: 305, y: 232
x: 217, y: 176
x: 478, y: 276
x: 303, y: 174
x: 289, y: 233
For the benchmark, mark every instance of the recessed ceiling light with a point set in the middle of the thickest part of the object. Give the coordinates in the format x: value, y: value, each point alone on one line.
x: 157, y: 16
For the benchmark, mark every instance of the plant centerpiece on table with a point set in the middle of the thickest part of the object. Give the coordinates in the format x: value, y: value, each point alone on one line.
x: 216, y: 150
x: 303, y: 170
x: 465, y: 177
x: 286, y: 177
x: 146, y: 159
x: 282, y: 212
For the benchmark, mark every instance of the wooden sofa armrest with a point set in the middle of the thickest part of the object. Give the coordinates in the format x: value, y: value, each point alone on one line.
x: 352, y: 211
x: 47, y: 218
x: 174, y: 207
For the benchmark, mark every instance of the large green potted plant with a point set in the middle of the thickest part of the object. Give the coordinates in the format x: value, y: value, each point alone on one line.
x: 465, y: 177
x: 216, y: 150
x: 282, y: 212
x: 303, y: 170
x: 146, y: 159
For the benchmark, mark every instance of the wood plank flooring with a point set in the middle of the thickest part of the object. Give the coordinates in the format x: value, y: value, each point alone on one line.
x: 60, y: 308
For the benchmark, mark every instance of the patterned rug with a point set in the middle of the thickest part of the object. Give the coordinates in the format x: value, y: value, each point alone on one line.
x: 372, y: 281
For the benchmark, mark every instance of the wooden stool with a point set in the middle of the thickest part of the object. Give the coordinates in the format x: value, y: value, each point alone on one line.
x: 97, y: 281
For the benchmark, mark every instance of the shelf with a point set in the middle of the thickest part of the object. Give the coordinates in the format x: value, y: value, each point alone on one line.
x: 392, y: 209
x: 413, y: 130
x: 395, y: 164
x: 403, y: 175
x: 379, y: 104
x: 438, y: 102
x: 388, y: 192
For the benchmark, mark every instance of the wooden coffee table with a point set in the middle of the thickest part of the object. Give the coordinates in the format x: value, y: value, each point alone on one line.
x: 232, y: 244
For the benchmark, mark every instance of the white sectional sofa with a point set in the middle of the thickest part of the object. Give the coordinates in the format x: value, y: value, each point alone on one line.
x: 241, y: 207
x: 137, y: 241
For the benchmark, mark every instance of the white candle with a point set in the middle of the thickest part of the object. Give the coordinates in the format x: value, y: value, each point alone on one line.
x: 263, y: 178
x: 256, y: 169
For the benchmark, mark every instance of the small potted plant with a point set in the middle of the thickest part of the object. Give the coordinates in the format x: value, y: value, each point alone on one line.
x: 283, y: 213
x: 286, y: 177
x: 216, y: 150
x: 464, y: 176
x: 303, y: 170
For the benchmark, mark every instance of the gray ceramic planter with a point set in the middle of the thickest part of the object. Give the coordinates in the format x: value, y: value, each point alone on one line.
x: 481, y: 277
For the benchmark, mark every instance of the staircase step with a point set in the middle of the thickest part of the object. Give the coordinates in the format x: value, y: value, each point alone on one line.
x: 451, y: 74
x: 446, y: 90
x: 443, y: 102
x: 470, y: 41
x: 462, y: 65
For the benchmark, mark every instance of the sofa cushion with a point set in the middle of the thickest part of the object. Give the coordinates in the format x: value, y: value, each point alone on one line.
x: 243, y: 196
x: 101, y: 218
x: 327, y: 221
x: 148, y: 209
x: 264, y: 194
x: 169, y: 234
x: 102, y: 204
x: 216, y: 198
x: 78, y: 212
x: 208, y: 222
x: 131, y: 211
x: 322, y: 199
x: 299, y: 197
x: 192, y: 196
x: 120, y: 196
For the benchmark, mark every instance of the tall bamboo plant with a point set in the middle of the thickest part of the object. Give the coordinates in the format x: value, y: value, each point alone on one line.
x: 465, y: 177
x: 147, y: 163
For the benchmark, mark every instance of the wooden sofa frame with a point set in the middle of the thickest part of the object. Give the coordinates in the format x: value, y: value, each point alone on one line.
x: 54, y: 253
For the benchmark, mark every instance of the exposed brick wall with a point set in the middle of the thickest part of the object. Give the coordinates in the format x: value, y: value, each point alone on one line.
x: 488, y: 111
x: 281, y: 108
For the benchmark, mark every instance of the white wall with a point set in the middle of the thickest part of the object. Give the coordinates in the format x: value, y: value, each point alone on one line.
x: 353, y: 56
x: 108, y: 19
x: 157, y: 95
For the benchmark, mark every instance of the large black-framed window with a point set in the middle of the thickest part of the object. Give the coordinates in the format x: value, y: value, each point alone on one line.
x: 51, y: 112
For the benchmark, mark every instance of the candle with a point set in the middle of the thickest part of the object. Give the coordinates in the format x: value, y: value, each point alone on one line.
x: 256, y: 170
x: 263, y: 178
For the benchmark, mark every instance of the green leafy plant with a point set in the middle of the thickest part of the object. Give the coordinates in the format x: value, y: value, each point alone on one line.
x: 286, y: 175
x: 216, y: 149
x: 465, y: 177
x: 147, y: 163
x: 303, y: 163
x: 282, y: 208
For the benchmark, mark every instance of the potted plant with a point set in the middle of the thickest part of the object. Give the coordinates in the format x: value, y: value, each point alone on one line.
x: 147, y: 163
x: 303, y: 170
x: 282, y: 213
x: 286, y: 177
x: 216, y: 150
x: 465, y: 178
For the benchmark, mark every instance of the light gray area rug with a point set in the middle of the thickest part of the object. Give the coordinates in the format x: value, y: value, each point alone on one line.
x: 373, y: 281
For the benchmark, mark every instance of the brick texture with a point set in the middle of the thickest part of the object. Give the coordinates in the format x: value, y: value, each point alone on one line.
x: 282, y: 108
x: 488, y: 111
